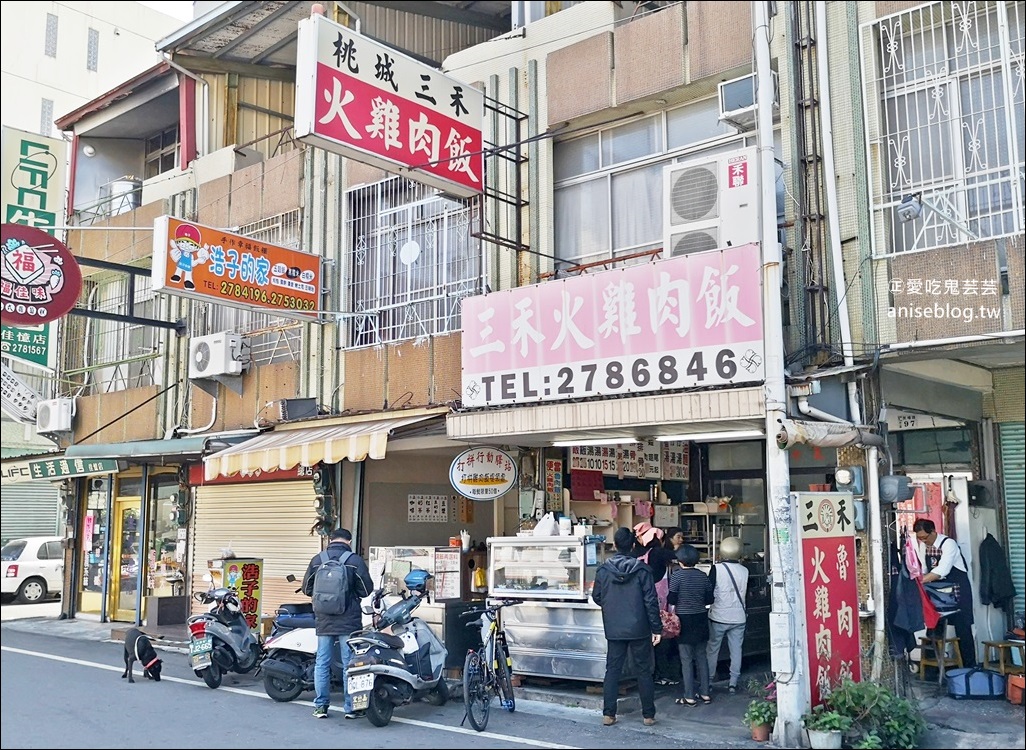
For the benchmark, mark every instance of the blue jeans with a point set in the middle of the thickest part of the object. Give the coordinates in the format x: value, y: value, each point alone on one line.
x: 326, y: 651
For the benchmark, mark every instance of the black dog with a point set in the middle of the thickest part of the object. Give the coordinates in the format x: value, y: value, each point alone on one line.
x: 138, y: 647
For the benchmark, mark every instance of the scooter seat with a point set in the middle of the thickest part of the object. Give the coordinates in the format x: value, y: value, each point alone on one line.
x: 384, y: 640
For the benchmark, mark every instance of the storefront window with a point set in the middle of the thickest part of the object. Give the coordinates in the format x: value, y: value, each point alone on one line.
x: 166, y: 552
x: 95, y: 524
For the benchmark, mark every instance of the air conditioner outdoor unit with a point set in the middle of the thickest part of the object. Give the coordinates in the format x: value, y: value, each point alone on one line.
x: 737, y: 101
x: 218, y: 354
x: 54, y: 415
x: 712, y: 203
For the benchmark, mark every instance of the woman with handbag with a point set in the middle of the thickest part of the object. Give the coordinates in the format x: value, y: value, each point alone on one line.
x: 690, y: 593
x: 667, y: 660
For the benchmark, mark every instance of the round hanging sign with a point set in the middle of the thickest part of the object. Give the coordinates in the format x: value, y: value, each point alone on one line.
x: 483, y: 473
x: 41, y: 278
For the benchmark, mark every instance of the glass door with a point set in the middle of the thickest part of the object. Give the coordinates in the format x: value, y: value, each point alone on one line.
x: 125, y: 560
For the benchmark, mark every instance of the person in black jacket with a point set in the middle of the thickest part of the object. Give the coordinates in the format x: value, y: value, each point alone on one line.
x: 335, y: 629
x: 624, y: 590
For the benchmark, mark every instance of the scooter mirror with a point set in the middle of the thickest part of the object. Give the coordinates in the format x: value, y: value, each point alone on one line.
x: 290, y: 578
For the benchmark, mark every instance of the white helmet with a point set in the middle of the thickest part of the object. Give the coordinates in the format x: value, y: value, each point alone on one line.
x: 731, y: 548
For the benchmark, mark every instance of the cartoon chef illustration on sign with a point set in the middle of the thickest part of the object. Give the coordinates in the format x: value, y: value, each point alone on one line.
x: 186, y: 252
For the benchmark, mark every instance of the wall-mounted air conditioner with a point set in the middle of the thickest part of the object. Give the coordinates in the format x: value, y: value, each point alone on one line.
x: 54, y: 415
x: 712, y: 202
x: 737, y: 101
x: 218, y: 354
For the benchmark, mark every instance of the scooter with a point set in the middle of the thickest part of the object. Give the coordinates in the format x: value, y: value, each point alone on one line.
x: 291, y: 653
x: 393, y: 669
x: 220, y: 640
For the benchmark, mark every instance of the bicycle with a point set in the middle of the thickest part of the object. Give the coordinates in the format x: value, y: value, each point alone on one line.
x: 487, y: 671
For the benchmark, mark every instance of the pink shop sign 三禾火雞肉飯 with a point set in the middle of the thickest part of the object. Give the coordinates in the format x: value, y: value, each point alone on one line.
x: 684, y: 322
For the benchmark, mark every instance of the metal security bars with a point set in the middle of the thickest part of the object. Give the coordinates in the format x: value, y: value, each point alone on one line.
x: 944, y: 123
x: 106, y: 355
x: 271, y: 338
x: 413, y: 260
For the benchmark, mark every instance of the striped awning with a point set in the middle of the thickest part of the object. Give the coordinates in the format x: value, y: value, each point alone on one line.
x: 286, y: 448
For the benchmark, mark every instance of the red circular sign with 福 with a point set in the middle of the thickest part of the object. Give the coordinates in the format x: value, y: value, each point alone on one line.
x: 41, y: 279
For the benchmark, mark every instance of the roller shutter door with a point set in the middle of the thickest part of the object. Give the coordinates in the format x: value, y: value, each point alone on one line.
x: 29, y: 509
x: 269, y: 520
x: 1013, y: 474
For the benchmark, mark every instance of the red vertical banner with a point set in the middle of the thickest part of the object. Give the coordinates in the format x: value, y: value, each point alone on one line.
x: 246, y: 576
x: 827, y: 530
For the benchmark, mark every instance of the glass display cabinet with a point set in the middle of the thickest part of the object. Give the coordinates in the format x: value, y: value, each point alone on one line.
x: 557, y: 567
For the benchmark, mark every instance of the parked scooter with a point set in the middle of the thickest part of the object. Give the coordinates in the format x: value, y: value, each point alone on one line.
x: 288, y: 667
x: 393, y: 669
x: 220, y: 640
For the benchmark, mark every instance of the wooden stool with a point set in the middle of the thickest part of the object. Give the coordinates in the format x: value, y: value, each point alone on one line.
x: 997, y: 655
x: 933, y: 653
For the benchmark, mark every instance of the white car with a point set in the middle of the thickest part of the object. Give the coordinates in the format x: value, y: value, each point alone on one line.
x: 33, y: 568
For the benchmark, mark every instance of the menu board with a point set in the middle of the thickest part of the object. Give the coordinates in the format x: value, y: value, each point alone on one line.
x: 649, y: 459
x: 427, y: 508
x: 447, y: 573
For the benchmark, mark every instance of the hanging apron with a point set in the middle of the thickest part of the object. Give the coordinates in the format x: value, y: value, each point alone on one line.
x: 959, y: 578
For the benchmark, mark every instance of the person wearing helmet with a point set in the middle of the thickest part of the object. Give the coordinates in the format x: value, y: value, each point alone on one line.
x: 728, y: 615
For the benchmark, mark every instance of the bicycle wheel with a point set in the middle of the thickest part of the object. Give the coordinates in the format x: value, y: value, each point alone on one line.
x: 504, y: 677
x: 476, y: 696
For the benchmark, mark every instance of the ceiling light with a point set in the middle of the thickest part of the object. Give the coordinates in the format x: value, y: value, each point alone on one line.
x: 89, y: 150
x: 713, y: 437
x: 601, y: 441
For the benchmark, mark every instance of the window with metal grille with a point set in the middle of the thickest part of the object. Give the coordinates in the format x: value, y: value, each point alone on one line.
x: 93, y: 51
x: 161, y: 152
x: 413, y: 260
x: 271, y: 338
x: 46, y: 117
x: 944, y: 118
x: 118, y: 355
x: 608, y: 195
x: 50, y: 45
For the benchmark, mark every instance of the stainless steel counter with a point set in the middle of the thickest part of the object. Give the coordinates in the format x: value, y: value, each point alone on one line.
x: 562, y: 639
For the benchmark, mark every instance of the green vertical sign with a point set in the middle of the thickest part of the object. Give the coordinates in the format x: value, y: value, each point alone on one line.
x: 30, y: 343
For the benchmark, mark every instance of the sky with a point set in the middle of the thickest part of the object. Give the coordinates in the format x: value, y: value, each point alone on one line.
x: 179, y: 10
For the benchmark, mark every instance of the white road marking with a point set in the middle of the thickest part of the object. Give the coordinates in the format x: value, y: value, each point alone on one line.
x: 255, y: 694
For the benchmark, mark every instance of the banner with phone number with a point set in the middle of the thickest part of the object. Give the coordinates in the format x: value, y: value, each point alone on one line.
x: 191, y: 260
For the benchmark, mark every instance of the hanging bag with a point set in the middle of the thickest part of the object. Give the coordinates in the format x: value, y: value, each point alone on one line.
x: 942, y: 595
x: 671, y: 623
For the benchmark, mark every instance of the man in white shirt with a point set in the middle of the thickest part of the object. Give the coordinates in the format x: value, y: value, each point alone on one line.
x: 944, y: 561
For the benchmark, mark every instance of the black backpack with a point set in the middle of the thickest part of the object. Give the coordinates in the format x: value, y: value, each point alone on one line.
x: 330, y: 591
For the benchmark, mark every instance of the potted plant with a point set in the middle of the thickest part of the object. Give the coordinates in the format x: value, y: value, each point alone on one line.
x: 759, y: 716
x: 825, y: 727
x: 877, y: 711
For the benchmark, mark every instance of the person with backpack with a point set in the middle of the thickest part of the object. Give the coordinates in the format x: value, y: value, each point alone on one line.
x: 336, y: 580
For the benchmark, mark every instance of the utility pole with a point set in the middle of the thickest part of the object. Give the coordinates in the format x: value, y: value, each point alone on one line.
x: 787, y: 618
